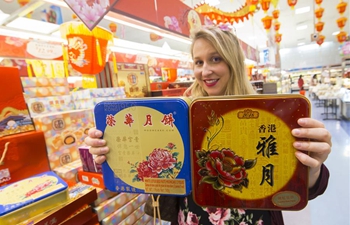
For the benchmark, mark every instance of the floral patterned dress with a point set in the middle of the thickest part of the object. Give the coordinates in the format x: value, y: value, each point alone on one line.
x: 192, y: 214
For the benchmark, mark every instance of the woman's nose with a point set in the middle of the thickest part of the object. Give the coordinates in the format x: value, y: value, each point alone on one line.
x: 206, y: 70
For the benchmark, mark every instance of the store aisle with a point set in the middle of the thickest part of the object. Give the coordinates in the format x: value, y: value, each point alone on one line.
x: 333, y: 207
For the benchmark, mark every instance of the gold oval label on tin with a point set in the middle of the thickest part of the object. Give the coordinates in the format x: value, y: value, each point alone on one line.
x: 248, y: 114
x: 286, y: 199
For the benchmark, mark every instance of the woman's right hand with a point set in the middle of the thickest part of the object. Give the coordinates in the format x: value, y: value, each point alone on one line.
x: 98, y: 146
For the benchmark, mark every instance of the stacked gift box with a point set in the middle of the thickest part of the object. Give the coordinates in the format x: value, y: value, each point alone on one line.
x: 88, y: 98
x: 60, y: 183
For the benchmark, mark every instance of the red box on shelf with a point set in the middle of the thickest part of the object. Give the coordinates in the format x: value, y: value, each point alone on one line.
x: 94, y: 179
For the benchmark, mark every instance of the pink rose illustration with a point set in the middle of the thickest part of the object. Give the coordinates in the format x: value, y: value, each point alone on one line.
x: 218, y: 216
x: 161, y: 159
x: 192, y: 219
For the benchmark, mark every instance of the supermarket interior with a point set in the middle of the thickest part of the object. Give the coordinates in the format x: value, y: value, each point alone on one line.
x: 123, y: 67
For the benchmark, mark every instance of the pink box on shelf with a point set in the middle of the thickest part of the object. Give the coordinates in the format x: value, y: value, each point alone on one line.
x: 88, y: 161
x: 106, y: 208
x: 116, y: 217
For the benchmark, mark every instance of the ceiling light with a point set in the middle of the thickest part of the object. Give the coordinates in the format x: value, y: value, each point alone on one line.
x: 335, y: 33
x: 301, y: 27
x: 28, y: 35
x: 33, y: 25
x: 302, y: 10
x: 3, y: 16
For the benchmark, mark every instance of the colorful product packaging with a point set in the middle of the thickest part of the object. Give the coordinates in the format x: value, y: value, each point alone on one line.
x: 94, y: 179
x: 44, y: 81
x: 14, y: 114
x: 106, y: 208
x: 69, y: 172
x: 98, y: 93
x: 91, y: 102
x: 134, y: 216
x: 40, y: 106
x: 31, y: 196
x: 88, y: 162
x: 64, y: 133
x: 37, y: 92
x: 79, y: 196
x: 103, y: 195
x: 17, y: 159
x: 249, y: 138
x: 116, y: 217
x: 128, y: 126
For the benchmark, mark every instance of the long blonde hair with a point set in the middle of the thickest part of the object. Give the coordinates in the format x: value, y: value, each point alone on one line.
x: 229, y: 49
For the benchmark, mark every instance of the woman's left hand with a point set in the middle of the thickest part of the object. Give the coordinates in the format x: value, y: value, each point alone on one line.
x: 318, y: 145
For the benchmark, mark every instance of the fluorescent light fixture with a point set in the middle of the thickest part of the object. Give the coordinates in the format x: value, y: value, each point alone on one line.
x: 27, y: 35
x: 301, y: 43
x: 3, y: 16
x: 33, y: 25
x: 302, y: 10
x: 302, y: 27
x: 335, y: 33
x: 149, y: 30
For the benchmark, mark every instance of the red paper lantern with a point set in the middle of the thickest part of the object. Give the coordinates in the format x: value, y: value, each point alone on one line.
x: 277, y: 26
x: 278, y: 38
x: 265, y: 5
x: 252, y: 2
x: 318, y: 2
x: 341, y: 22
x: 342, y: 7
x: 87, y: 50
x: 319, y: 12
x: 342, y: 36
x: 113, y: 27
x: 275, y: 14
x: 320, y: 39
x: 292, y: 3
x: 267, y: 22
x: 319, y: 26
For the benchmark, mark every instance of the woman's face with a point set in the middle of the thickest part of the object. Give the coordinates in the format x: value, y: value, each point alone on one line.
x: 210, y: 70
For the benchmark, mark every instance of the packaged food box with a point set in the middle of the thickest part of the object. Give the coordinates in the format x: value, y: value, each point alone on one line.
x: 46, y: 91
x: 14, y: 114
x: 249, y: 139
x: 87, y: 159
x: 44, y: 81
x: 98, y: 93
x: 40, y: 106
x: 30, y: 197
x: 149, y: 145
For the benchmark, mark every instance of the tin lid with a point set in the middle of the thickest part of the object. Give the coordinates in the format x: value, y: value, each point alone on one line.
x: 242, y: 152
x: 149, y: 145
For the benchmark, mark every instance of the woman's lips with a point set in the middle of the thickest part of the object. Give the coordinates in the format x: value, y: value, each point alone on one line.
x: 210, y: 83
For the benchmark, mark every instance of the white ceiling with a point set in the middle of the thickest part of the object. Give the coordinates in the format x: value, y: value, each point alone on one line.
x: 250, y: 31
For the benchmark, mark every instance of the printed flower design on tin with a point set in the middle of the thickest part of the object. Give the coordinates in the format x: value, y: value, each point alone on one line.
x: 160, y: 163
x: 222, y: 168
